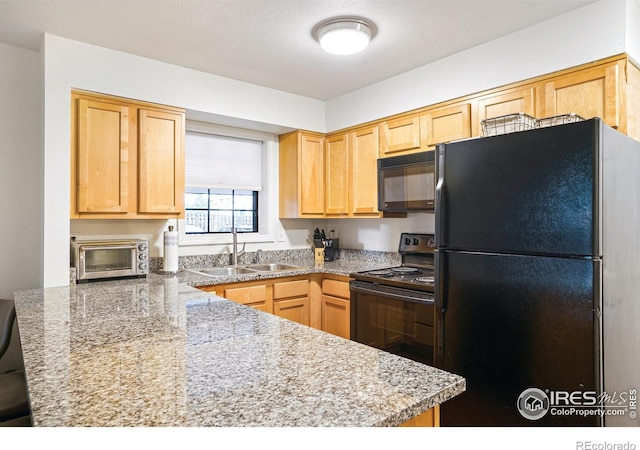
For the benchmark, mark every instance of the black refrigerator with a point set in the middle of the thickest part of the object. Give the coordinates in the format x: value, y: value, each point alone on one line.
x: 538, y: 277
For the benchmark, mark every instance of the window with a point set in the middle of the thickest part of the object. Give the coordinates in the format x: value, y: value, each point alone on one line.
x: 223, y: 177
x: 231, y: 177
x: 220, y: 210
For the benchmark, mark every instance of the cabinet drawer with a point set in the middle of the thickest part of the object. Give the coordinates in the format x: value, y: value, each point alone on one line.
x: 336, y: 288
x: 298, y: 288
x: 247, y: 295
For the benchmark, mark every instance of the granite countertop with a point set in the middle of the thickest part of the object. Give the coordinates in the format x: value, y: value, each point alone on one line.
x: 342, y: 267
x: 350, y: 261
x: 158, y: 352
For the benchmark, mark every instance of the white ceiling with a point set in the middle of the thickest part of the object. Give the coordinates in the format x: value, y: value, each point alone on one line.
x: 269, y: 42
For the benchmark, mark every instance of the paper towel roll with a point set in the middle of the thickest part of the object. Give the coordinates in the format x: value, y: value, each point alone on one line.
x: 170, y: 261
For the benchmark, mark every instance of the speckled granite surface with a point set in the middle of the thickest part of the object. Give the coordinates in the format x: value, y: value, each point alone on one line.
x: 157, y: 352
x: 350, y: 261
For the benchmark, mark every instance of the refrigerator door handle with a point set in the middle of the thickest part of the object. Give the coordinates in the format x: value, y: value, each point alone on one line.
x: 440, y: 225
x: 440, y: 300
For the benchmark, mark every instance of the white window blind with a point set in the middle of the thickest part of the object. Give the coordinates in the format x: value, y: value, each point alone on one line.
x: 221, y: 162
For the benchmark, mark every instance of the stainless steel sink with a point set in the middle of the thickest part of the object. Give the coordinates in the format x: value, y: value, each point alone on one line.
x: 230, y: 271
x: 272, y: 267
x: 225, y: 271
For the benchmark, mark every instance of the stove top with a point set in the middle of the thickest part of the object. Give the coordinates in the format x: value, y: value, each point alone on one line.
x: 416, y: 269
x: 420, y: 278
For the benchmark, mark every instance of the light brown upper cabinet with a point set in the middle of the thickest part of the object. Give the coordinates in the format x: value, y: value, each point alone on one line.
x: 127, y: 159
x: 401, y: 135
x: 100, y: 162
x: 338, y: 181
x: 447, y: 124
x: 593, y: 92
x: 334, y: 176
x: 351, y: 180
x: 160, y: 162
x: 422, y: 132
x: 302, y: 175
x: 364, y: 144
x: 519, y: 100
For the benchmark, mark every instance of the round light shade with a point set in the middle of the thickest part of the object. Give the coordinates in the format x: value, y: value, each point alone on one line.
x: 344, y: 36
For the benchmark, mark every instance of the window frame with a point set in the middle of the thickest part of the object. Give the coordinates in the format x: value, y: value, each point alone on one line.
x: 233, y: 192
x: 267, y: 197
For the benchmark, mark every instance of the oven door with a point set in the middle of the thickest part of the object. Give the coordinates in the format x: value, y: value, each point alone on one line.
x: 397, y: 320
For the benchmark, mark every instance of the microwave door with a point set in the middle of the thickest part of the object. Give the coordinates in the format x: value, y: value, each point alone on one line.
x: 407, y: 182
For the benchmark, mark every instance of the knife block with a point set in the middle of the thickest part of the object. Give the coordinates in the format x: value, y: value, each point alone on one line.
x: 331, y: 249
x: 319, y: 256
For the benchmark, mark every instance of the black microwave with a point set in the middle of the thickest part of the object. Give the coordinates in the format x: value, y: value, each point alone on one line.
x: 407, y: 182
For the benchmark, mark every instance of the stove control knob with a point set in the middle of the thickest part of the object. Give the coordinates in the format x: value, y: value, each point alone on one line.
x: 415, y: 241
x: 407, y: 241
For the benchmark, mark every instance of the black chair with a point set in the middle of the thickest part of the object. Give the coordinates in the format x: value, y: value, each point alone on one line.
x: 14, y: 398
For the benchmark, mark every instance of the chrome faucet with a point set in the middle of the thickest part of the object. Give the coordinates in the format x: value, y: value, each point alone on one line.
x: 258, y: 252
x: 235, y: 247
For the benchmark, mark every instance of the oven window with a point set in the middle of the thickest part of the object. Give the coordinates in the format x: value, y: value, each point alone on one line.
x: 106, y: 260
x: 401, y: 327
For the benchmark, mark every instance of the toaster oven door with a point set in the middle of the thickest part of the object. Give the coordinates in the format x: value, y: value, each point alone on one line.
x: 95, y: 261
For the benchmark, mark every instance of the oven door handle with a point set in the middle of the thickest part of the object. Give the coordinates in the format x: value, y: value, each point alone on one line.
x: 364, y: 288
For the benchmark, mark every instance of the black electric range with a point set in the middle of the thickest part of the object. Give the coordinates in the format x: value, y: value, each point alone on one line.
x: 393, y: 308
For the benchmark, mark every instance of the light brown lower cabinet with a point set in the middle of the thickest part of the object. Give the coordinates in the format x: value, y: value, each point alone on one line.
x: 336, y: 312
x: 430, y: 418
x: 291, y: 300
x: 318, y: 300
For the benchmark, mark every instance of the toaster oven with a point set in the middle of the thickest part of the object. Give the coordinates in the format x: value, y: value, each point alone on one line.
x: 107, y: 259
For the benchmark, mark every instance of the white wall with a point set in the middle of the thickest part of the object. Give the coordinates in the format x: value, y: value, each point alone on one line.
x: 593, y: 32
x: 633, y: 30
x: 70, y: 64
x: 379, y: 234
x: 21, y: 170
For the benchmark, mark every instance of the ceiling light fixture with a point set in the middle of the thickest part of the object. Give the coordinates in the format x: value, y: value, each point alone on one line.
x: 344, y: 35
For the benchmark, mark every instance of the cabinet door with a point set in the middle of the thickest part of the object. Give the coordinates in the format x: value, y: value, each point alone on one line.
x: 588, y: 93
x: 364, y: 173
x: 160, y: 163
x: 400, y: 135
x: 336, y: 316
x: 295, y: 309
x: 511, y: 102
x: 337, y: 175
x: 447, y: 124
x: 102, y: 158
x: 312, y: 178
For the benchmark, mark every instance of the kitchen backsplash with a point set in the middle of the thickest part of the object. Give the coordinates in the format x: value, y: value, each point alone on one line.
x: 299, y: 257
